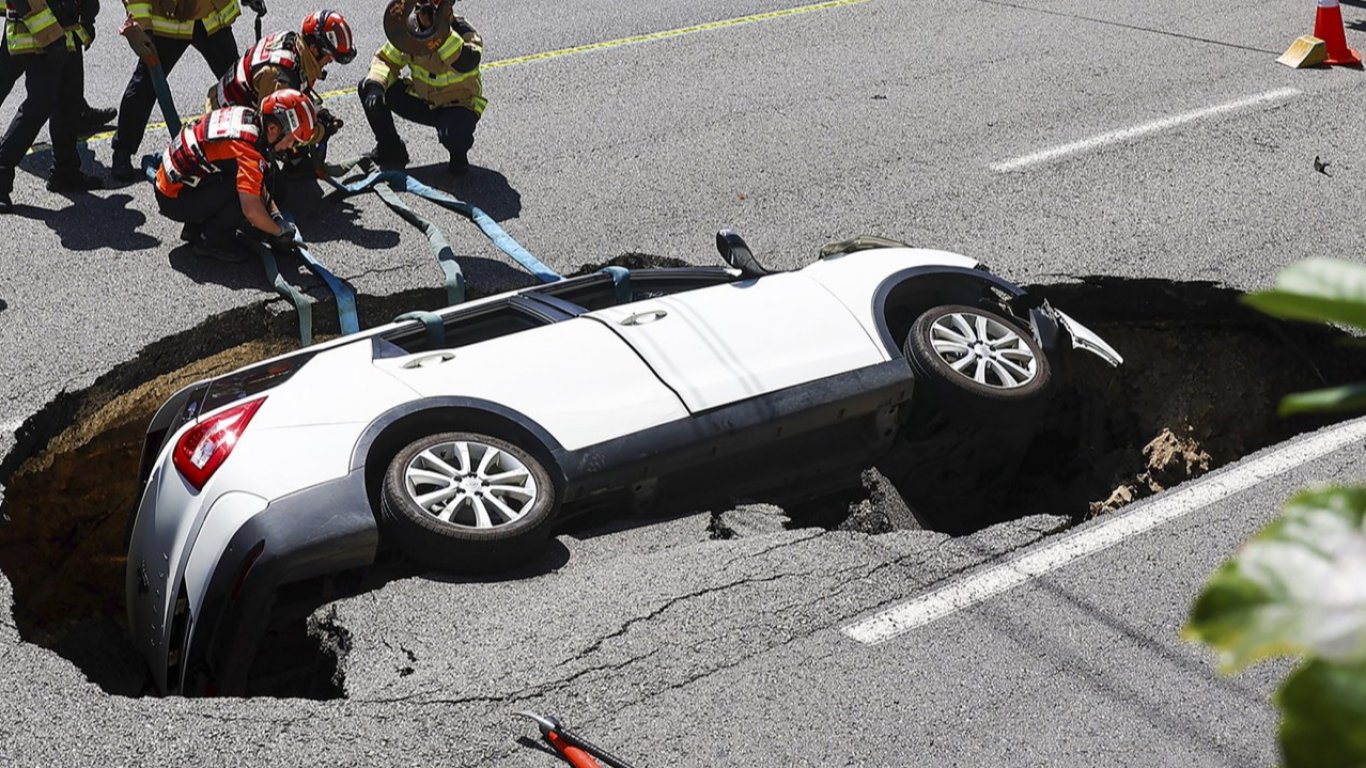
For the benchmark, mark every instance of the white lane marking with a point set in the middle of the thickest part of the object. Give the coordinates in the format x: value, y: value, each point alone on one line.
x: 1125, y: 134
x: 1144, y: 516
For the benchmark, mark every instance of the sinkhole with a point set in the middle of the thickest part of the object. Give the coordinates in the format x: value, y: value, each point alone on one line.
x: 1199, y: 389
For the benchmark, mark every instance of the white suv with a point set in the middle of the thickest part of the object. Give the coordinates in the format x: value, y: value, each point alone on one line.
x: 462, y: 436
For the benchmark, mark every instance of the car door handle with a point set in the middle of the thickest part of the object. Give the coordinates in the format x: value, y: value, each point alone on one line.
x: 648, y: 316
x: 426, y: 361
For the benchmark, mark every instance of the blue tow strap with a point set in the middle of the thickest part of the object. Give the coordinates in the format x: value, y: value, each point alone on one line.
x: 486, y: 224
x: 621, y: 283
x: 346, y: 297
x: 436, y: 327
x: 441, y: 247
x: 163, y: 91
x: 303, y: 304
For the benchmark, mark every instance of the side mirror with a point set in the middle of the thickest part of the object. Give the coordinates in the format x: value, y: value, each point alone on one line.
x: 736, y: 253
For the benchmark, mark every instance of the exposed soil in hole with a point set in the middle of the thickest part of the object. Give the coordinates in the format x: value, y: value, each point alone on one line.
x: 1199, y: 389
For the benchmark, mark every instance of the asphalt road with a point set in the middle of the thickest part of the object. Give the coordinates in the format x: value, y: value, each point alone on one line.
x: 885, y: 116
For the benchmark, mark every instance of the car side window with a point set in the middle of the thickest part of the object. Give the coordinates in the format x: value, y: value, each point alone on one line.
x: 600, y: 292
x: 463, y: 329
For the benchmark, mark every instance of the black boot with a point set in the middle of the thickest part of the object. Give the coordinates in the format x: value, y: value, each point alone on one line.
x: 6, y: 187
x: 72, y: 180
x: 389, y: 155
x: 458, y: 166
x: 93, y: 119
x: 229, y: 251
x: 122, y: 167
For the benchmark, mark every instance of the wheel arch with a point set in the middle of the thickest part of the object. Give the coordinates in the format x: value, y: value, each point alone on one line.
x: 390, y: 432
x: 902, y: 296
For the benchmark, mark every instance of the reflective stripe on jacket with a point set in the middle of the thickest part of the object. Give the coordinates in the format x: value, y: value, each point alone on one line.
x: 224, y: 136
x: 279, y: 60
x: 32, y: 25
x: 176, y: 18
x: 436, y: 78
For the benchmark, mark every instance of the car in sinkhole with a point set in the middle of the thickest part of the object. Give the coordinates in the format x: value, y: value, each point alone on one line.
x: 461, y: 437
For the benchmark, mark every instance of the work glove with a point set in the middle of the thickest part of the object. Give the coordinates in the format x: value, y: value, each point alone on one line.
x: 330, y: 123
x: 139, y: 41
x: 288, y: 234
x: 371, y: 93
x: 257, y: 6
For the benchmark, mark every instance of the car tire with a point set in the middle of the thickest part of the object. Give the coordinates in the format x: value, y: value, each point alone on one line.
x: 467, y: 502
x: 977, y: 362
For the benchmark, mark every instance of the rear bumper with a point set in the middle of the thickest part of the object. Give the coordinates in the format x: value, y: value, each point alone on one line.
x: 313, y: 532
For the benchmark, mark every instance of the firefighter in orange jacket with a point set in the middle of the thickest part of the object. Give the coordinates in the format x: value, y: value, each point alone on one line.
x: 293, y: 60
x: 174, y: 26
x: 444, y: 91
x: 54, y: 81
x: 213, y: 176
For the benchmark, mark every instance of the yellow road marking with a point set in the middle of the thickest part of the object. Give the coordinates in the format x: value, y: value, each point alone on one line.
x: 604, y: 45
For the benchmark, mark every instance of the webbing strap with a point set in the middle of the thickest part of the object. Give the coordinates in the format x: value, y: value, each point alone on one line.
x: 436, y: 328
x: 303, y: 304
x: 445, y: 257
x: 486, y: 224
x: 621, y: 282
x: 346, y: 297
x: 164, y: 98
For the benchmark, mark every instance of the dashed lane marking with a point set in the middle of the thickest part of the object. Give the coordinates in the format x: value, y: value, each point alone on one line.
x: 1145, y: 516
x: 604, y: 45
x: 1156, y: 126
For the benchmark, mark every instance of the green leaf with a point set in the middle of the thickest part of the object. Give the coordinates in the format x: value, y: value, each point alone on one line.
x: 1325, y: 290
x: 1323, y: 716
x: 1351, y: 397
x: 1298, y: 587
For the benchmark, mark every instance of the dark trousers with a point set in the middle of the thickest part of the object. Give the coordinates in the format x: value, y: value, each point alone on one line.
x: 53, y: 80
x: 12, y: 68
x: 218, y: 49
x: 212, y: 206
x: 454, y: 125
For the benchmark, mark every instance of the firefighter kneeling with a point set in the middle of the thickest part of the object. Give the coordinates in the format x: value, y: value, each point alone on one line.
x: 445, y: 90
x: 212, y: 177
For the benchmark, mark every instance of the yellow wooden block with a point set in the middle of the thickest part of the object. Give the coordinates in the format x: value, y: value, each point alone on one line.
x: 1306, y: 51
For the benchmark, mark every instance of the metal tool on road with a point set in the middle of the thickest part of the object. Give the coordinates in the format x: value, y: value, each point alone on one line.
x: 578, y: 751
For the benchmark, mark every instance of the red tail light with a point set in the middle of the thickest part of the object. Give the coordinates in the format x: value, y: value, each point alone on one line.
x: 202, y: 450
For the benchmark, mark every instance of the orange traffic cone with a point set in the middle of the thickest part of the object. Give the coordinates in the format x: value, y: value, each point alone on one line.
x: 1328, y: 28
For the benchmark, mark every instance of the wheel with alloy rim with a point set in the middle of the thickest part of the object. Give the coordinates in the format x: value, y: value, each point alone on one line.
x: 467, y: 502
x: 974, y: 357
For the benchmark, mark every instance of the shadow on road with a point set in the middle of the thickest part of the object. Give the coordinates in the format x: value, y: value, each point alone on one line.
x: 92, y: 222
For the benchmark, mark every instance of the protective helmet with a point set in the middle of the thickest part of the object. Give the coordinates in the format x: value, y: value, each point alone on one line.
x: 294, y: 112
x: 330, y: 31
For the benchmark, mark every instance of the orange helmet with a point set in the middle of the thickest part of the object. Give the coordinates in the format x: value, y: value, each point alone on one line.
x: 331, y: 33
x: 294, y: 112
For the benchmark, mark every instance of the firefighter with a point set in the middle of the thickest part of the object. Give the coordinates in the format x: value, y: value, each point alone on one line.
x: 295, y: 60
x: 53, y: 80
x: 173, y: 26
x: 444, y: 91
x: 212, y: 177
x: 91, y: 119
